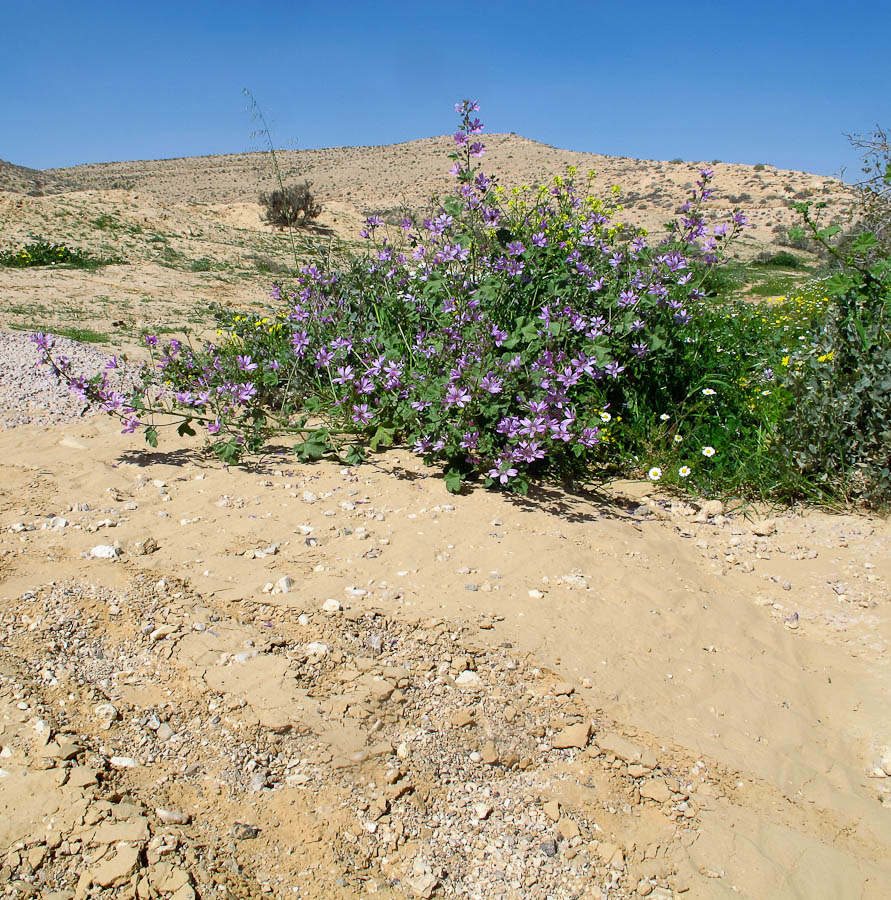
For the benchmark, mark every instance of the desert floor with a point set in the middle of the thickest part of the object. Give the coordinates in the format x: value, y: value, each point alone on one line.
x: 294, y: 680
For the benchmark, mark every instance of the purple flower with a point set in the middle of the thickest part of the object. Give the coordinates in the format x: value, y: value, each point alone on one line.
x: 42, y: 341
x: 344, y: 375
x: 588, y: 437
x: 362, y: 414
x: 560, y: 430
x: 151, y: 340
x: 477, y: 149
x: 324, y: 358
x: 300, y: 341
x: 131, y: 425
x: 501, y: 473
x: 491, y: 383
x: 529, y: 451
x: 491, y: 216
x: 515, y: 248
x: 532, y: 427
x: 613, y: 369
x: 214, y: 427
x: 245, y: 392
x: 456, y: 396
x: 245, y: 363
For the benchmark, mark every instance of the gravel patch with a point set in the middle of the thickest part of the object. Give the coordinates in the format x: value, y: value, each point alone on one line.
x: 31, y: 394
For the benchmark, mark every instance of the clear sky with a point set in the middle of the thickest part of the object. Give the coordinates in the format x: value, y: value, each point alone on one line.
x: 778, y: 82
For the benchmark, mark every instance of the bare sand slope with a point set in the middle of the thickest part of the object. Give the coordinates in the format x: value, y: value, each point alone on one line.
x: 733, y: 674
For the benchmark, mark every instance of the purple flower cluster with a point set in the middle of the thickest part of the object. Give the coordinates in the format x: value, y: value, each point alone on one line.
x: 489, y: 336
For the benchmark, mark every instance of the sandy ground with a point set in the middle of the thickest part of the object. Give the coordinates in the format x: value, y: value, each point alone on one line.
x: 304, y: 680
x: 751, y: 682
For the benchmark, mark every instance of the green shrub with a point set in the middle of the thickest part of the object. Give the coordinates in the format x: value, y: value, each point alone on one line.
x: 783, y: 259
x: 42, y: 253
x: 837, y: 434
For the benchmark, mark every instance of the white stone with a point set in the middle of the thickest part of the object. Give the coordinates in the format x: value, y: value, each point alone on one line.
x: 331, y: 606
x: 105, y: 551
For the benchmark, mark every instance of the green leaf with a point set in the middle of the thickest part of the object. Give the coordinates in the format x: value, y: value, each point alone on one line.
x: 829, y: 232
x: 227, y: 452
x: 863, y: 242
x: 453, y: 206
x: 354, y: 456
x: 797, y: 234
x: 314, y: 447
x: 887, y: 176
x: 453, y: 481
x: 185, y: 428
x: 838, y: 284
x: 383, y: 437
x: 151, y: 436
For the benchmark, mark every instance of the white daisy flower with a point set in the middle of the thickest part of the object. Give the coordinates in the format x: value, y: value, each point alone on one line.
x: 708, y: 451
x: 655, y: 473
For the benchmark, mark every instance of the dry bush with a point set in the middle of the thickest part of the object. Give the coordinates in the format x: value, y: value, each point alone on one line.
x: 292, y: 205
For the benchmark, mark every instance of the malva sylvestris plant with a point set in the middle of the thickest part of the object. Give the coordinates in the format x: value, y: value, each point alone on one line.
x: 500, y: 337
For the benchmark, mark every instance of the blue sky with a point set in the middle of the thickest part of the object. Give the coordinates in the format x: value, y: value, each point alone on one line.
x: 777, y: 82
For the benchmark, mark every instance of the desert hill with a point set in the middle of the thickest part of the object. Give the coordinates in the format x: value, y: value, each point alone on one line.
x: 381, y: 178
x: 22, y: 180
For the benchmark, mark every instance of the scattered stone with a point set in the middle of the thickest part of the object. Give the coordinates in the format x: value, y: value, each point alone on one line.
x: 243, y: 832
x: 331, y: 606
x: 489, y: 753
x: 106, y: 712
x: 131, y: 831
x: 572, y: 736
x: 116, y: 869
x: 567, y: 829
x: 764, y: 528
x: 710, y: 508
x: 552, y: 810
x: 82, y: 777
x: 105, y: 551
x: 549, y: 847
x: 462, y: 718
x: 611, y: 854
x: 145, y: 547
x: 173, y: 816
x: 468, y: 678
x: 655, y: 789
